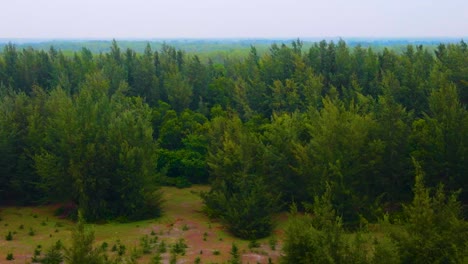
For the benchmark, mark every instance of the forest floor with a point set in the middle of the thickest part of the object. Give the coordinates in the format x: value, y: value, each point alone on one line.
x: 182, y: 218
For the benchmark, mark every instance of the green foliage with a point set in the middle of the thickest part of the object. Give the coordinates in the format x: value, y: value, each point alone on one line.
x: 156, y: 259
x: 179, y: 247
x: 235, y: 256
x: 245, y: 206
x: 82, y: 249
x: 272, y: 242
x: 101, y: 131
x: 9, y: 236
x: 321, y: 237
x: 435, y: 231
x: 239, y: 196
x: 53, y: 255
x: 9, y: 256
x: 107, y: 171
x: 253, y: 244
x: 145, y: 244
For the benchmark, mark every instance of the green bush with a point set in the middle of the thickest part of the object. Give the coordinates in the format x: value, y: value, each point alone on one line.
x: 82, y: 250
x: 245, y: 206
x: 9, y: 236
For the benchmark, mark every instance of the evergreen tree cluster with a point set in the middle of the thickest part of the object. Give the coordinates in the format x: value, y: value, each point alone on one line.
x: 266, y: 130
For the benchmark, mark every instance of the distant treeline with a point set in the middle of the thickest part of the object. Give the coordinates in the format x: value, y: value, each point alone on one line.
x: 103, y: 130
x: 216, y: 46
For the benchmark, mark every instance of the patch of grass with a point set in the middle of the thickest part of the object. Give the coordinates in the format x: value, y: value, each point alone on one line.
x: 182, y: 204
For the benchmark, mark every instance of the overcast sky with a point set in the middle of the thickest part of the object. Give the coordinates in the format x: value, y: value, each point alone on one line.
x: 232, y: 19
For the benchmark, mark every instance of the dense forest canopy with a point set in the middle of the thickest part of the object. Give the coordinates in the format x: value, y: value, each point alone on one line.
x: 268, y: 129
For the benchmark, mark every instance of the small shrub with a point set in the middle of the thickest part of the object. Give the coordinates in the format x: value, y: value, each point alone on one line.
x: 205, y: 236
x: 104, y: 246
x: 253, y: 244
x: 9, y: 256
x: 9, y: 236
x: 173, y: 258
x: 157, y: 259
x: 235, y: 256
x: 153, y: 233
x: 53, y: 255
x: 216, y: 252
x: 135, y: 254
x: 43, y: 223
x: 162, y: 247
x: 145, y: 244
x: 31, y: 232
x: 58, y: 244
x: 179, y: 247
x: 21, y: 227
x: 185, y: 227
x: 121, y: 250
x: 197, y: 260
x: 272, y: 242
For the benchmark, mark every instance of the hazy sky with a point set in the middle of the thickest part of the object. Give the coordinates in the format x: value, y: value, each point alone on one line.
x: 229, y: 18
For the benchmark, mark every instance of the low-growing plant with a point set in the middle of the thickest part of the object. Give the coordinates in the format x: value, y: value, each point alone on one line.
x: 162, y: 247
x: 53, y: 255
x: 31, y: 232
x: 9, y: 256
x: 272, y: 242
x: 145, y: 244
x: 216, y: 252
x: 157, y: 259
x: 179, y: 247
x: 253, y: 244
x: 37, y: 251
x: 104, y: 246
x: 173, y: 258
x: 9, y: 236
x: 235, y: 256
